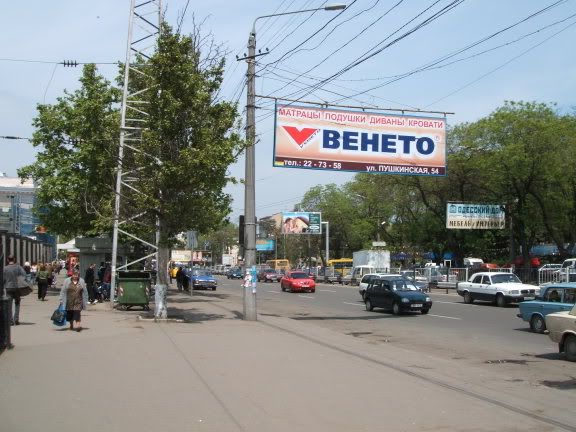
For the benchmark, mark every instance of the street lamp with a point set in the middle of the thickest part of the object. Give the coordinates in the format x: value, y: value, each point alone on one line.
x: 250, y: 162
x: 327, y: 242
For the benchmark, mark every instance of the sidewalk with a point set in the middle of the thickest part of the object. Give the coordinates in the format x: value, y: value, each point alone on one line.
x: 216, y: 372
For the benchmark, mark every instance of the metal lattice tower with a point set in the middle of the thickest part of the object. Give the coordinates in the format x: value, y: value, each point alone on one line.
x: 143, y: 30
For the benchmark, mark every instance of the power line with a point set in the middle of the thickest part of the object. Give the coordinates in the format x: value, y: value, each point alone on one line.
x: 436, y: 64
x: 502, y: 65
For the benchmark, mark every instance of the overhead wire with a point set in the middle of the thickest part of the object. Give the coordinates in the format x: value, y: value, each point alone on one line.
x: 502, y: 65
x: 434, y: 63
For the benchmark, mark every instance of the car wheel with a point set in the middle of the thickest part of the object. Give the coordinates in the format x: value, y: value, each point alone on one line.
x: 368, y: 304
x: 396, y: 309
x: 537, y: 324
x: 500, y: 300
x: 313, y: 291
x: 468, y: 298
x: 283, y: 289
x: 424, y: 311
x: 570, y: 348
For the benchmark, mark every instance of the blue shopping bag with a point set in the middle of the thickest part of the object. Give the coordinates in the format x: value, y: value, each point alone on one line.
x: 59, y: 316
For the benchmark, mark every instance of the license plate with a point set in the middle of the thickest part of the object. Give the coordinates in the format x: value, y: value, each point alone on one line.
x: 529, y: 298
x: 416, y: 305
x: 304, y: 286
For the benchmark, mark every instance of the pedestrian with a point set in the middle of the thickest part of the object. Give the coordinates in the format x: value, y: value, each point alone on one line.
x: 74, y: 298
x: 89, y: 278
x: 15, y: 287
x: 33, y: 271
x: 179, y: 278
x: 42, y: 280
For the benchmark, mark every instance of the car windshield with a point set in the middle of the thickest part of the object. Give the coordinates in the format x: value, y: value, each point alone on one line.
x: 269, y: 271
x: 505, y: 278
x: 202, y: 273
x: 299, y: 276
x: 402, y: 285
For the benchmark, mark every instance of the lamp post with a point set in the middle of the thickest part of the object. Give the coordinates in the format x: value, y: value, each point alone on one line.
x: 250, y: 162
x: 327, y: 251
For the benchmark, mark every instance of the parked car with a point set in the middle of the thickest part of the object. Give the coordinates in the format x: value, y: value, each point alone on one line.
x: 562, y: 330
x: 297, y: 281
x: 392, y: 292
x: 234, y: 273
x: 501, y: 288
x: 268, y: 275
x: 202, y: 279
x: 553, y: 298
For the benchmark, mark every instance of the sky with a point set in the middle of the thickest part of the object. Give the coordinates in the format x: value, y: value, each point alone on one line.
x: 483, y: 52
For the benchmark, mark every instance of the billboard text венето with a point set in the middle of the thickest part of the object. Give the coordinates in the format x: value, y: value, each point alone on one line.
x: 340, y: 140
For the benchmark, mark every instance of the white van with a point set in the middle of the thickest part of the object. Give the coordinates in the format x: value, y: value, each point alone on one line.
x: 568, y: 271
x: 473, y: 262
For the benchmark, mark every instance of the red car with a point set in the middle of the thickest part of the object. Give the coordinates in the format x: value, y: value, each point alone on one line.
x: 297, y: 281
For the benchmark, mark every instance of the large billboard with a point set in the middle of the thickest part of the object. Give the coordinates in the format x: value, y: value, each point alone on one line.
x: 301, y: 223
x: 344, y: 140
x: 475, y: 216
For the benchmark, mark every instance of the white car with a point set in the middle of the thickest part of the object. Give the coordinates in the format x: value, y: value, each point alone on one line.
x: 562, y: 330
x: 501, y: 288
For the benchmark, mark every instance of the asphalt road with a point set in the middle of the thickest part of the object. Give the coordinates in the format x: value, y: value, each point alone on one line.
x: 479, y: 334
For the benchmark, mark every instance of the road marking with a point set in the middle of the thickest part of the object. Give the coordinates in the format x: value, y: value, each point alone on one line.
x: 442, y: 316
x: 354, y: 304
x: 327, y: 291
x: 304, y: 296
x: 445, y: 302
x: 274, y: 292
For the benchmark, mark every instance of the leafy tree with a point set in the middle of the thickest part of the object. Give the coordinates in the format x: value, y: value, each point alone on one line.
x: 189, y: 142
x: 74, y: 169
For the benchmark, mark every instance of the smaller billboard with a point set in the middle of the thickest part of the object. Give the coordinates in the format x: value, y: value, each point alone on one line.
x: 475, y: 216
x: 263, y: 245
x: 181, y: 255
x: 301, y: 223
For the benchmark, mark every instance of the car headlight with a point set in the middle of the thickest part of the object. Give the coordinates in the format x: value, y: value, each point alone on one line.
x: 514, y: 292
x: 428, y: 299
x: 405, y: 300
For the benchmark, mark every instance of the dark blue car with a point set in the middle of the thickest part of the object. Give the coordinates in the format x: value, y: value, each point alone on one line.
x: 397, y: 295
x: 202, y: 279
x: 554, y: 297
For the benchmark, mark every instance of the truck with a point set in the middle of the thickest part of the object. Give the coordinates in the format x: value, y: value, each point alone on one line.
x: 365, y: 262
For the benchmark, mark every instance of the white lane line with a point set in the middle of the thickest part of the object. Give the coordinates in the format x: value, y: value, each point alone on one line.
x: 442, y: 316
x: 445, y: 302
x: 354, y: 304
x: 274, y: 292
x: 327, y: 291
x: 304, y: 296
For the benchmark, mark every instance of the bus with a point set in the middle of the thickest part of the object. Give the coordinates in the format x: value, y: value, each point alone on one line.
x: 341, y: 265
x: 278, y: 264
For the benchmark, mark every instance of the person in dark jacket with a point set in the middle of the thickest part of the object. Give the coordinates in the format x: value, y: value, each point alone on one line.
x: 13, y: 288
x: 42, y: 278
x: 180, y: 278
x: 89, y: 279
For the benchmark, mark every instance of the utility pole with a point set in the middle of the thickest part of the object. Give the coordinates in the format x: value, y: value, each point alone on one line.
x: 250, y: 169
x: 249, y: 186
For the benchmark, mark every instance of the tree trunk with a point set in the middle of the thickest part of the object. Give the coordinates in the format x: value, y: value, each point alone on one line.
x: 161, y: 309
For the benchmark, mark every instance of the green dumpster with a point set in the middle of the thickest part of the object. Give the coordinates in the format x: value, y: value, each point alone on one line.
x: 133, y: 289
